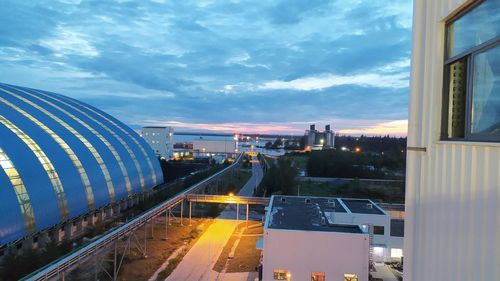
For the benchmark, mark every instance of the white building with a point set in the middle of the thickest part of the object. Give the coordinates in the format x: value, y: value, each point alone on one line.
x: 452, y: 230
x: 161, y: 140
x: 215, y: 146
x: 327, y: 237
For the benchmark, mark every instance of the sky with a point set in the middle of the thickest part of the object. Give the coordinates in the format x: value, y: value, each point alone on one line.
x: 221, y: 66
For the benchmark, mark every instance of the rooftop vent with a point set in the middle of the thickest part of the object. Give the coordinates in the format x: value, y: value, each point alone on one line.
x: 369, y: 206
x: 331, y: 203
x: 308, y: 200
x: 283, y: 199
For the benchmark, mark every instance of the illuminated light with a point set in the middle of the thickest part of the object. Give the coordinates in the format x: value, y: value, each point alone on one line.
x: 396, y: 253
x: 117, y: 157
x: 357, y: 149
x: 343, y: 148
x: 76, y: 162
x: 22, y: 195
x: 88, y: 145
x: 288, y: 275
x: 46, y: 164
x: 231, y: 194
x: 141, y: 147
x: 350, y: 277
x: 120, y: 140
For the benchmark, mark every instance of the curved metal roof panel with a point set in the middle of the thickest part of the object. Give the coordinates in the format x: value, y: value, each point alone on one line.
x: 61, y: 158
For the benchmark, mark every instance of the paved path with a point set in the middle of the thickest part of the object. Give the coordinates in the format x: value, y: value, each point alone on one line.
x: 383, y: 272
x: 197, y: 264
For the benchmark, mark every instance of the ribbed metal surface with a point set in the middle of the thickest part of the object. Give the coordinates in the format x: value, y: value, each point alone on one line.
x: 62, y: 159
x: 452, y: 229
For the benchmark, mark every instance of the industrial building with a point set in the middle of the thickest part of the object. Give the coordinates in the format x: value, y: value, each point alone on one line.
x: 63, y: 161
x: 325, y: 238
x: 453, y: 159
x: 206, y: 147
x: 316, y: 140
x: 160, y: 139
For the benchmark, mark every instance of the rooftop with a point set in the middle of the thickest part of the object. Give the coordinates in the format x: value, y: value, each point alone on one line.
x: 307, y: 213
x: 362, y: 206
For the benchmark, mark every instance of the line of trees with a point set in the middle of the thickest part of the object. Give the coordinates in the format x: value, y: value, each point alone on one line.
x: 279, y: 178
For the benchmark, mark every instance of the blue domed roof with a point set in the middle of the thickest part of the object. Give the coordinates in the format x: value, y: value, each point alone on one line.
x: 61, y: 158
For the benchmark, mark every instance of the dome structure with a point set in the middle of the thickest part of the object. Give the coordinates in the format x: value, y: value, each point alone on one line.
x: 61, y: 158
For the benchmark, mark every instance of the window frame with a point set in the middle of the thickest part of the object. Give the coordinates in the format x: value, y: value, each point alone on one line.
x: 469, y: 55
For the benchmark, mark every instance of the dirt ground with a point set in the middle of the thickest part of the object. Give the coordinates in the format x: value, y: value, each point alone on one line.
x: 135, y: 266
x: 246, y: 257
x: 138, y: 268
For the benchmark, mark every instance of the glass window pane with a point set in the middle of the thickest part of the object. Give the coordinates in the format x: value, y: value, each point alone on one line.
x: 486, y: 93
x: 456, y: 99
x: 475, y: 27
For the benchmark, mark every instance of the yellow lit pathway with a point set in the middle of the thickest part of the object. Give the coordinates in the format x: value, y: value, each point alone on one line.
x: 198, y: 263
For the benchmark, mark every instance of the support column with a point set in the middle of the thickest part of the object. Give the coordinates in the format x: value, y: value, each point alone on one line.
x: 145, y: 238
x: 247, y: 214
x: 190, y: 207
x: 182, y: 211
x: 166, y: 223
x: 115, y: 273
x: 237, y: 212
x: 153, y: 228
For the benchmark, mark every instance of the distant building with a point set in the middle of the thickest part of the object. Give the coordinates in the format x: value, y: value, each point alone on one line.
x: 319, y: 238
x: 317, y: 140
x: 160, y: 139
x: 452, y: 230
x: 215, y: 146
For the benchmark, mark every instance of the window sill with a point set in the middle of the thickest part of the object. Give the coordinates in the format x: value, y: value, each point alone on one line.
x: 470, y: 143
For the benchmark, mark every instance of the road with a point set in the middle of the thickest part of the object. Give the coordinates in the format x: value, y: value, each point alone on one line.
x: 246, y: 190
x: 197, y: 264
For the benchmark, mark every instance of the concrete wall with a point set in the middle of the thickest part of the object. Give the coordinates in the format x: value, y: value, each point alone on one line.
x: 303, y: 252
x: 453, y: 188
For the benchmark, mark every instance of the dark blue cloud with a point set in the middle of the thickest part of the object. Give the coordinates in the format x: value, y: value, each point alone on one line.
x: 214, y: 62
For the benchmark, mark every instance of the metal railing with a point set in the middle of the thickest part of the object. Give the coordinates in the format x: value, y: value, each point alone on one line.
x: 59, y: 267
x: 244, y: 200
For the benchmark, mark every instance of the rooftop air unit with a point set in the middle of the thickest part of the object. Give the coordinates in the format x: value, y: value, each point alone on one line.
x: 369, y: 206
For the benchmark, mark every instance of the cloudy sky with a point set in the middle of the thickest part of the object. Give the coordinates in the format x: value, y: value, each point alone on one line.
x: 231, y: 66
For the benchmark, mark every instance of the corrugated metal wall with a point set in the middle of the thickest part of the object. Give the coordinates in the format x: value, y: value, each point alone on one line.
x: 452, y: 229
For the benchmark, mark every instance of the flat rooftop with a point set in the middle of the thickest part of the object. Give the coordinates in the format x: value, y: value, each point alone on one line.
x: 307, y: 213
x: 362, y: 206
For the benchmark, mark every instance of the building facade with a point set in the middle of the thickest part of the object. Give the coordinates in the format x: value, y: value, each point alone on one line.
x: 61, y: 159
x: 317, y: 140
x: 204, y: 147
x: 160, y: 139
x: 452, y: 220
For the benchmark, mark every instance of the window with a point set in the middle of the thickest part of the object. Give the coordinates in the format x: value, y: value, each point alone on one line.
x: 317, y: 276
x: 350, y: 277
x: 379, y: 230
x: 280, y: 274
x: 471, y: 103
